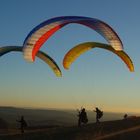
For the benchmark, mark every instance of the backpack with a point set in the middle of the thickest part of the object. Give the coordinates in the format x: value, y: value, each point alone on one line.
x: 25, y: 123
x: 100, y: 114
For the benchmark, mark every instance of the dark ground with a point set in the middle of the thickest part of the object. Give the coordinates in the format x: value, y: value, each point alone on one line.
x: 109, y: 130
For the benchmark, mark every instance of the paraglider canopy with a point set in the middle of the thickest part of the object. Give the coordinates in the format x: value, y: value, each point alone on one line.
x: 43, y: 31
x: 76, y: 51
x: 43, y: 56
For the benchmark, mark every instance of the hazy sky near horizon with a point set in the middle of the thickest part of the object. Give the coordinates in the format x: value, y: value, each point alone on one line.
x: 97, y: 78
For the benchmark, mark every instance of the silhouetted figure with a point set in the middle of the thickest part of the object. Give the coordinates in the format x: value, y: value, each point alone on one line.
x: 99, y: 114
x: 125, y: 116
x: 82, y: 117
x: 23, y: 124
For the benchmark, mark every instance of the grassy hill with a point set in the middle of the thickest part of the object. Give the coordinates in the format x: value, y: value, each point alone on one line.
x: 108, y: 130
x: 47, y: 124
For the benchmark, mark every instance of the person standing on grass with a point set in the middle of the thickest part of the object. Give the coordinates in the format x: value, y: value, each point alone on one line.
x: 99, y: 114
x: 82, y: 117
x: 23, y: 124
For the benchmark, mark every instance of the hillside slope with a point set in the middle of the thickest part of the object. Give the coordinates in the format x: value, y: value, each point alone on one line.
x: 109, y: 130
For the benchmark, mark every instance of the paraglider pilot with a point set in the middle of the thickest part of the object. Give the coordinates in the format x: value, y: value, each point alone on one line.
x: 125, y: 116
x: 82, y: 117
x: 99, y: 114
x: 23, y: 124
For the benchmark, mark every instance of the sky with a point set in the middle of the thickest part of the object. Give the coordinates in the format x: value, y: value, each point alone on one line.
x: 96, y: 78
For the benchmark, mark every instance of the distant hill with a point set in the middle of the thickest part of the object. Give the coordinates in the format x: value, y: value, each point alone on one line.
x: 35, y: 117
